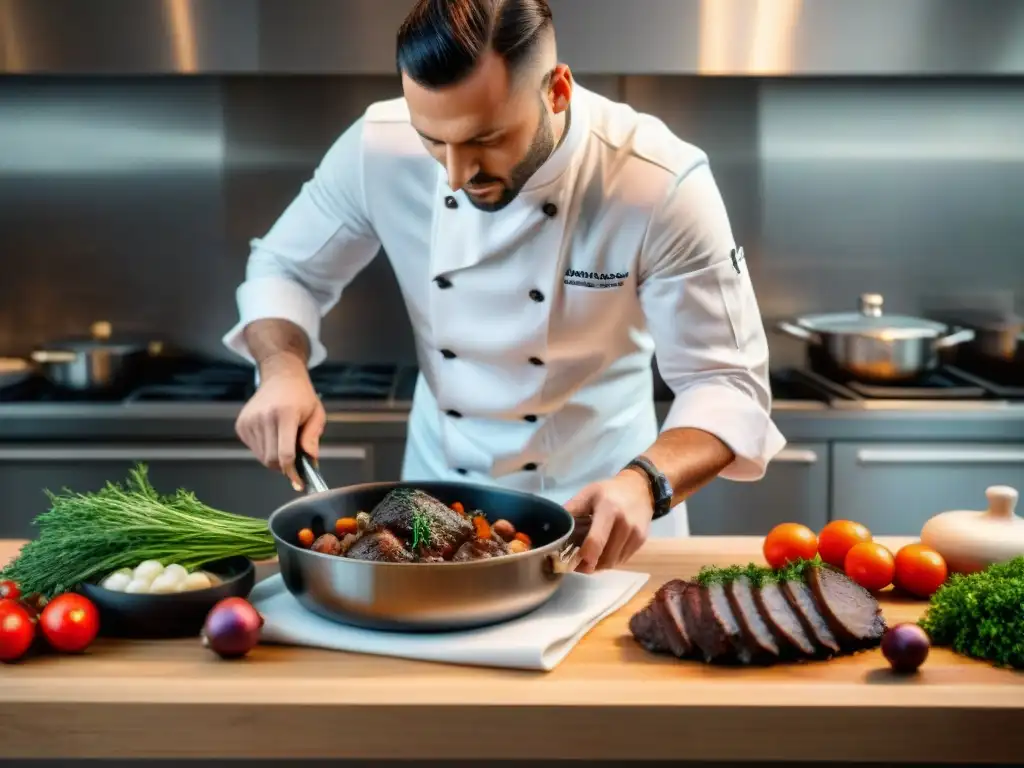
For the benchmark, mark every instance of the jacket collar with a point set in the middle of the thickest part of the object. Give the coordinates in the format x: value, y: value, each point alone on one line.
x: 562, y: 159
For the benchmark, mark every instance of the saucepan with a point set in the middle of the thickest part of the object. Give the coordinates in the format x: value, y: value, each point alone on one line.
x: 423, y: 596
x: 95, y: 363
x: 999, y: 337
x: 870, y: 346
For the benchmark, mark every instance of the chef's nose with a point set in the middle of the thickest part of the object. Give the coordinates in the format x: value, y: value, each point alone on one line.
x: 460, y: 167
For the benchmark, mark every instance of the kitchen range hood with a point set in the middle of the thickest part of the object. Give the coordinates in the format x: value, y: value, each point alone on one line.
x: 775, y: 38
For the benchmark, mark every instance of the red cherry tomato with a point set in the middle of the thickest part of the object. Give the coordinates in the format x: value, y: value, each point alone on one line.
x: 789, y: 542
x: 17, y: 631
x: 871, y: 565
x: 920, y: 570
x: 9, y: 590
x: 837, y: 538
x: 70, y: 622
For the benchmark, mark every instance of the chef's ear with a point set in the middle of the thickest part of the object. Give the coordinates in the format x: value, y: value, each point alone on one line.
x: 560, y: 88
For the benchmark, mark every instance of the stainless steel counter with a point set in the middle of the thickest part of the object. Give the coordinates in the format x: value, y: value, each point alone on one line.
x: 891, y: 468
x: 799, y: 421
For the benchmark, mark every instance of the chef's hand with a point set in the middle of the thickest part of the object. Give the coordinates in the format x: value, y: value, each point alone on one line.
x: 284, y: 412
x: 621, y: 509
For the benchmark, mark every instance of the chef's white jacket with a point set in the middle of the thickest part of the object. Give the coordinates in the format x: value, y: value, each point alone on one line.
x: 535, y: 325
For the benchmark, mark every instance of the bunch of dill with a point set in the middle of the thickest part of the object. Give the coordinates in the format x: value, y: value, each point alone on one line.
x: 981, y: 614
x: 88, y: 535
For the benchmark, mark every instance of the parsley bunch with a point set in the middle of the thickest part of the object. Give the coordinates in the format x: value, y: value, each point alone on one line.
x: 981, y: 614
x: 758, y: 574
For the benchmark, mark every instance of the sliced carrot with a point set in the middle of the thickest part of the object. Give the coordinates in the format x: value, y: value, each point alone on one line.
x: 457, y: 506
x: 345, y: 526
x: 306, y: 538
x: 523, y: 538
x: 483, y: 528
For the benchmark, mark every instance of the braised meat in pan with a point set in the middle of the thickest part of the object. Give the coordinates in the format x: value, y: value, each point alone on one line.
x: 410, y: 526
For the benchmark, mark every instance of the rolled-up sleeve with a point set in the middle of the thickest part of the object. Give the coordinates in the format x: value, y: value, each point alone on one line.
x: 709, y: 337
x: 323, y: 239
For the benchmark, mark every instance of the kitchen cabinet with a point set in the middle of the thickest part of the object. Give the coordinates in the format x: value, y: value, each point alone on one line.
x: 894, y: 488
x: 795, y: 488
x: 223, y: 475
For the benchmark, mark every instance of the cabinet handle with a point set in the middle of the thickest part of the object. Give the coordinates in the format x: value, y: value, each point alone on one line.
x: 796, y: 456
x: 149, y: 453
x: 940, y: 456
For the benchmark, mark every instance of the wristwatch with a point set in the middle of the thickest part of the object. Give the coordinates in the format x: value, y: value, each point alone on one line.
x: 661, y: 489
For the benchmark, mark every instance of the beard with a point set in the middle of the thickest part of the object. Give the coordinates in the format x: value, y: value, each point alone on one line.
x: 541, y: 147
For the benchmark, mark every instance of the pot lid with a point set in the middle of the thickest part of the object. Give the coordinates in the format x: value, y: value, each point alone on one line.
x: 871, y: 322
x: 100, y: 337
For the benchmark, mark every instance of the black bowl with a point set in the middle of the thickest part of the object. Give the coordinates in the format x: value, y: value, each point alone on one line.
x: 178, y: 614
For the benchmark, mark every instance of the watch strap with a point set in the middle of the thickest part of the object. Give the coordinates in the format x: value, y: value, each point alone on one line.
x: 661, y: 489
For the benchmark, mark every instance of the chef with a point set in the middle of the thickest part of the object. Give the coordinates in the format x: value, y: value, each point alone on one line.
x: 547, y: 242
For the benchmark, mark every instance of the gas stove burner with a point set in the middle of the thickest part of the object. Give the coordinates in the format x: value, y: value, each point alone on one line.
x: 197, y: 381
x: 942, y: 385
x: 176, y: 393
x: 1005, y: 378
x: 948, y: 385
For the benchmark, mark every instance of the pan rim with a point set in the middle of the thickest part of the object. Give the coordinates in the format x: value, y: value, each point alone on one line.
x: 490, y: 562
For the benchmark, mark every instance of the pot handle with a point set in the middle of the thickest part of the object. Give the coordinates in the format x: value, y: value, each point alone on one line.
x: 798, y: 332
x: 48, y: 357
x: 958, y: 336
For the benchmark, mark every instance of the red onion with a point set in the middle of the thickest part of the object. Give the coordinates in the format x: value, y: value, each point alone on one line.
x: 905, y: 646
x: 232, y: 628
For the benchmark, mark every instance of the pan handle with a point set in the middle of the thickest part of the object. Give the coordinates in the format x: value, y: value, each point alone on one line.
x: 798, y: 332
x: 566, y: 559
x: 308, y: 473
x: 958, y: 336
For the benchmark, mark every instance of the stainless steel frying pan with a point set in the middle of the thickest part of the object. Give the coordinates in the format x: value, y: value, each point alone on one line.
x: 418, y: 597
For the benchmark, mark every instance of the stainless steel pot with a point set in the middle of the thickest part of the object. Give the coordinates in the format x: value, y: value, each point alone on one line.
x: 870, y: 346
x: 96, y: 363
x: 423, y: 597
x: 997, y: 337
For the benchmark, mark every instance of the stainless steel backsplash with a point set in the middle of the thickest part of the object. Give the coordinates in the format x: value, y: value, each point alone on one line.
x: 133, y: 199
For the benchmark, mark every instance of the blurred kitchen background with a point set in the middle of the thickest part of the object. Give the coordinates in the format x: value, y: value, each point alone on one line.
x: 861, y: 147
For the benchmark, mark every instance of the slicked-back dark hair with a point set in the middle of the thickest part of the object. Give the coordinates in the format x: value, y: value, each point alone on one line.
x: 441, y: 41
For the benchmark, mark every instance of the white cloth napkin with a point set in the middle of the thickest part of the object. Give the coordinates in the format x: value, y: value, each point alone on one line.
x: 540, y: 640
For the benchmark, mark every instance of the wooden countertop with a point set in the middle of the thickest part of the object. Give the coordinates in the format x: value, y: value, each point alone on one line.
x: 608, y: 700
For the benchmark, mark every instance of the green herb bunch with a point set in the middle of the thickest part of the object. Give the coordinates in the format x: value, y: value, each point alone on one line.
x: 422, y: 531
x: 758, y: 574
x: 981, y: 614
x: 88, y: 535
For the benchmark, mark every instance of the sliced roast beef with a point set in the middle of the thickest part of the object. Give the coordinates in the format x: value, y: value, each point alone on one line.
x: 668, y: 607
x: 756, y: 632
x: 784, y: 622
x: 646, y: 628
x: 852, y: 613
x: 802, y: 599
x: 721, y: 609
x: 709, y: 640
